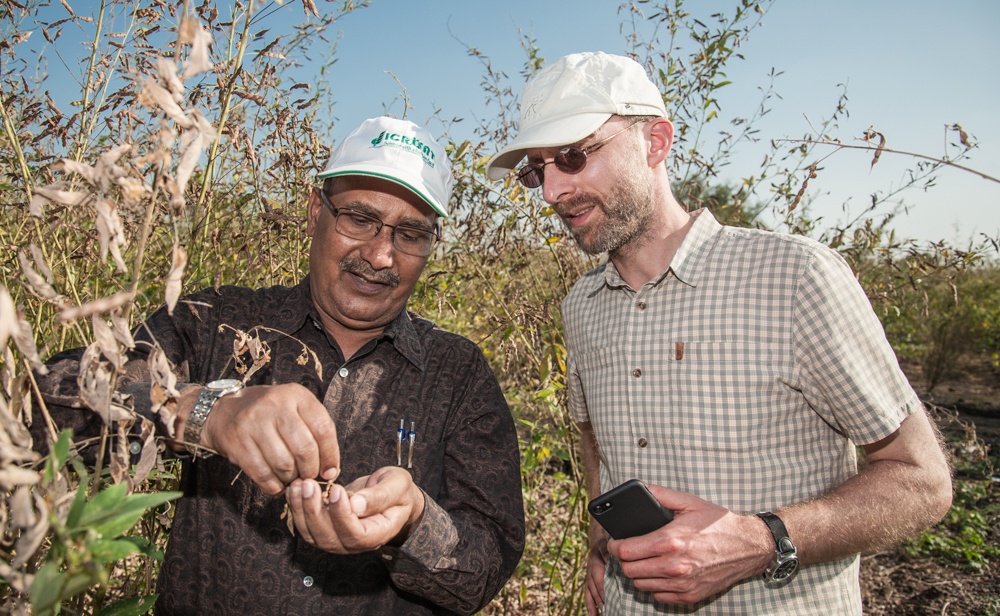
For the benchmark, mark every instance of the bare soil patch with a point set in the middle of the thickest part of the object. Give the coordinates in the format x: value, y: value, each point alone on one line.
x: 967, y: 408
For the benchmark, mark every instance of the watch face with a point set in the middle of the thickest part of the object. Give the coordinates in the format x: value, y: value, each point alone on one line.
x: 785, y: 570
x: 223, y: 384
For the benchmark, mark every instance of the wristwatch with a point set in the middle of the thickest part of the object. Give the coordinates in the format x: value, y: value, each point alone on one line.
x: 199, y: 414
x: 786, y: 559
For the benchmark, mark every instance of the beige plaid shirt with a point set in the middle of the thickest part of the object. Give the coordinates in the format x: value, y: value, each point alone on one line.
x: 745, y: 374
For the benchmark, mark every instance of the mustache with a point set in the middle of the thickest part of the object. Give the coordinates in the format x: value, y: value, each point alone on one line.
x: 354, y: 265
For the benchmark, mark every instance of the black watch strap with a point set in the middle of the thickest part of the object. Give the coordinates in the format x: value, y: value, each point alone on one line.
x: 778, y: 530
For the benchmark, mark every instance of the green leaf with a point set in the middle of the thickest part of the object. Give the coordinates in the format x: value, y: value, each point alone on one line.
x: 109, y: 551
x: 45, y: 589
x: 132, y: 606
x: 112, y: 512
x: 58, y: 454
x: 129, y: 511
x: 76, y: 509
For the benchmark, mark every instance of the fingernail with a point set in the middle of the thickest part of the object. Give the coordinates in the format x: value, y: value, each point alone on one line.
x: 359, y: 504
x: 334, y: 495
x: 307, y: 489
x: 331, y: 474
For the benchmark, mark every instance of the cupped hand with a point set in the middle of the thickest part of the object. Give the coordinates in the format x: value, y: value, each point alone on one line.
x: 370, y: 512
x: 275, y: 434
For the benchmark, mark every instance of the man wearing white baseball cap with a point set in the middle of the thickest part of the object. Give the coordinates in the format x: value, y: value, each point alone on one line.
x: 367, y: 463
x: 734, y: 371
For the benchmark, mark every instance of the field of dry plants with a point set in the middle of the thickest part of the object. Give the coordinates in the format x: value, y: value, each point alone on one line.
x: 184, y: 162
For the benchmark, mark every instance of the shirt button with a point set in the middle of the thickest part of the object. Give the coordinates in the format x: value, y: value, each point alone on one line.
x: 343, y: 373
x: 134, y: 448
x: 637, y: 372
x: 307, y: 581
x: 641, y: 305
x: 643, y: 442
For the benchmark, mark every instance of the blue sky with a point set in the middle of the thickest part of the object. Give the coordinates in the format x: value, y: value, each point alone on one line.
x: 911, y: 68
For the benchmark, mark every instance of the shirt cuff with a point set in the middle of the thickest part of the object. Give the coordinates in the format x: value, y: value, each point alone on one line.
x: 430, y: 545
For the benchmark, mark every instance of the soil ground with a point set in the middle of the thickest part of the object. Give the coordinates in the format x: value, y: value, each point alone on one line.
x: 967, y: 408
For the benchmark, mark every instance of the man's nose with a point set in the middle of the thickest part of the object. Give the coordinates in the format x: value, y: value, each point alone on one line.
x: 379, y: 251
x: 556, y: 185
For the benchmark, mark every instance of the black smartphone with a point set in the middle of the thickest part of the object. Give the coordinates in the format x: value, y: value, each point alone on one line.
x: 630, y: 510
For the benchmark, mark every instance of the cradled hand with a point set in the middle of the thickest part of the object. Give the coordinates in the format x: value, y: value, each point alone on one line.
x: 275, y: 433
x: 372, y: 511
x: 703, y: 551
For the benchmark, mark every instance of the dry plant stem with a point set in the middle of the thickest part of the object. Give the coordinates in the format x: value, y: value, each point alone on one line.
x: 86, y: 126
x: 8, y: 127
x: 226, y: 99
x: 140, y: 251
x: 942, y: 161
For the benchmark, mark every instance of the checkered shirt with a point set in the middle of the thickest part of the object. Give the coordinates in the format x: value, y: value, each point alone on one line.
x: 745, y: 374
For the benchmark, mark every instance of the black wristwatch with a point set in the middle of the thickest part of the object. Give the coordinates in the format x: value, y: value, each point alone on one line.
x: 206, y: 400
x: 786, y: 559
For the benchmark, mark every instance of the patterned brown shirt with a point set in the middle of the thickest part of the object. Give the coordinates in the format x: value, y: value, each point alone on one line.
x: 229, y: 550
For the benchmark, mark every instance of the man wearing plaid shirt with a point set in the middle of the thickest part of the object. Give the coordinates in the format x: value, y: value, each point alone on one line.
x: 734, y: 371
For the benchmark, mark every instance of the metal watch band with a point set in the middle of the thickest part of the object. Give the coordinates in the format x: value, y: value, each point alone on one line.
x: 202, y: 407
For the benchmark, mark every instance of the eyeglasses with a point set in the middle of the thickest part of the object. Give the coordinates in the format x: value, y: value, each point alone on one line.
x: 357, y: 225
x: 570, y: 159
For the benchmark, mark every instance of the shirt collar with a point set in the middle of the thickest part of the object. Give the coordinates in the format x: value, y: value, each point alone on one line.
x: 684, y: 267
x: 401, y: 332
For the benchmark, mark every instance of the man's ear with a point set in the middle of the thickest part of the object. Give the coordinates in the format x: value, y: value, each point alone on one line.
x: 313, y: 210
x: 661, y: 138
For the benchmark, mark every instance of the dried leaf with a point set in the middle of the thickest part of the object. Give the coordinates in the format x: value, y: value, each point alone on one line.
x: 8, y: 317
x: 148, y: 457
x: 308, y: 6
x: 68, y: 165
x: 31, y: 538
x: 12, y: 476
x: 40, y: 263
x: 123, y: 335
x: 94, y: 381
x: 105, y: 304
x: 105, y: 340
x: 55, y: 193
x: 154, y: 96
x: 37, y: 282
x: 172, y: 291
x: 120, y: 458
x: 963, y: 137
x: 200, y: 41
x: 163, y: 391
x: 22, y: 514
x: 110, y: 233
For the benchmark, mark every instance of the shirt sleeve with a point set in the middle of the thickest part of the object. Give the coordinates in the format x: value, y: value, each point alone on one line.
x: 849, y: 372
x: 468, y: 542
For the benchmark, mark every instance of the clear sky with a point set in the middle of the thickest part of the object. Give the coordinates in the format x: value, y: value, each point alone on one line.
x: 911, y: 67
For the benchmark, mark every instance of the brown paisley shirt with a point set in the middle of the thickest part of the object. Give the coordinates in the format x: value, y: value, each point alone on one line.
x: 229, y: 550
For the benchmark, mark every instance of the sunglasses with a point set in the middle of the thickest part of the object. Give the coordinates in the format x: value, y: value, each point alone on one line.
x: 571, y: 160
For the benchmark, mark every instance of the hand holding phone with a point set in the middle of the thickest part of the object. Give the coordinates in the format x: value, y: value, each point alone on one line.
x: 629, y: 510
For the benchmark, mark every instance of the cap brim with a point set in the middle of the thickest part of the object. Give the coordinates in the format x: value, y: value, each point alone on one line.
x: 554, y: 133
x: 392, y: 175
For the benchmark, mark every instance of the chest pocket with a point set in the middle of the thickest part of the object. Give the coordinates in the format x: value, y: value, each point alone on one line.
x: 720, y: 395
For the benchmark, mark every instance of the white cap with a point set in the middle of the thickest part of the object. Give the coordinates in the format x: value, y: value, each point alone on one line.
x: 398, y: 151
x: 571, y: 98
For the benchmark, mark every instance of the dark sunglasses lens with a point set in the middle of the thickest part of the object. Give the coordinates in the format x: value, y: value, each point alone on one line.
x: 530, y: 176
x: 570, y: 160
